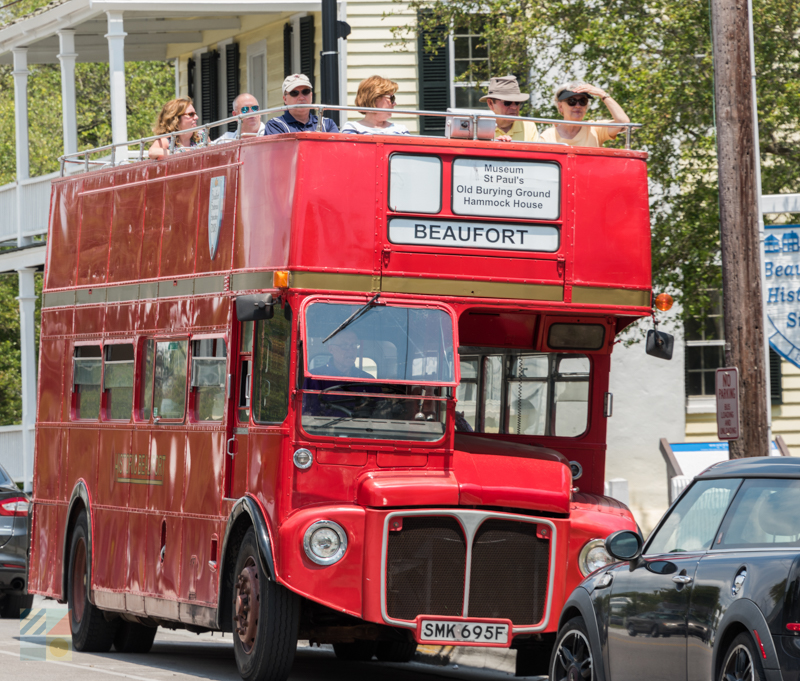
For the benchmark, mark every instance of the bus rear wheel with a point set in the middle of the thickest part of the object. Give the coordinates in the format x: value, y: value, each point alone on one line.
x: 266, y: 617
x: 133, y: 637
x: 91, y: 632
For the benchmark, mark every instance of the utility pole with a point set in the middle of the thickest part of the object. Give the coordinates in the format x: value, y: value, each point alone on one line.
x: 738, y: 207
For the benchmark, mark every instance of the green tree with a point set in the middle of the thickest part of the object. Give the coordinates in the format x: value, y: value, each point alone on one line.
x: 655, y: 57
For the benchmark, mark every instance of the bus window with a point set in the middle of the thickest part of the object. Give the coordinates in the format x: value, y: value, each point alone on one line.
x: 169, y: 384
x: 415, y: 184
x: 118, y: 381
x: 245, y: 371
x: 146, y: 405
x: 209, y: 361
x: 525, y: 393
x: 86, y: 390
x: 271, y: 363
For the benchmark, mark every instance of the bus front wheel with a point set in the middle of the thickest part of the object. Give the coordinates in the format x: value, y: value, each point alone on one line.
x: 91, y: 632
x: 266, y: 617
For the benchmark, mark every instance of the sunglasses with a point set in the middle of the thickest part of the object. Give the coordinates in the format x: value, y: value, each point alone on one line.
x: 248, y: 109
x: 392, y: 98
x: 296, y: 93
x: 579, y: 101
x: 190, y: 114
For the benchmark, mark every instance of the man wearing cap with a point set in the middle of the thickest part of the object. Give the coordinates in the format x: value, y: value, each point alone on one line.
x: 504, y: 97
x: 572, y: 101
x: 297, y: 89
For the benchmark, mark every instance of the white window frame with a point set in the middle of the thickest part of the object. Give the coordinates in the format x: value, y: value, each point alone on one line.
x: 255, y: 50
x: 451, y: 45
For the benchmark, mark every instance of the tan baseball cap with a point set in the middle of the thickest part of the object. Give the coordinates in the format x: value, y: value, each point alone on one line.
x: 296, y: 80
x: 505, y: 88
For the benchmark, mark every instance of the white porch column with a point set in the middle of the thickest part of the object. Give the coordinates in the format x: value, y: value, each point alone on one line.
x: 67, y: 56
x: 20, y: 73
x: 27, y: 343
x: 116, y: 68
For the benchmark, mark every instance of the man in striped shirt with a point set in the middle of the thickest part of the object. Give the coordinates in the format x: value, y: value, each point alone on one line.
x: 297, y: 90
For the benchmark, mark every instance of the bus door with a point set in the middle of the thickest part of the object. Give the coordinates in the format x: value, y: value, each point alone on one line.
x: 459, y: 220
x: 238, y: 436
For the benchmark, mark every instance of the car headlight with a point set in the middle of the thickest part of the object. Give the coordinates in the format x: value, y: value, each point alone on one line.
x: 593, y: 556
x: 325, y: 542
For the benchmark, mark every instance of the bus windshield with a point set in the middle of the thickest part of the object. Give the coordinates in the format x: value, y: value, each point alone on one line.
x: 383, y: 376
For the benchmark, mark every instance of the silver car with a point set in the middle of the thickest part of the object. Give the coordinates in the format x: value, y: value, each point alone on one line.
x: 14, y: 504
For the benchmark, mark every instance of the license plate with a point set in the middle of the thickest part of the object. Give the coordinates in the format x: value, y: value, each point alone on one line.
x: 463, y: 632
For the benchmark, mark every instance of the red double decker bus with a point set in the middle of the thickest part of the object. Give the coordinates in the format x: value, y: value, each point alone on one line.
x: 348, y: 389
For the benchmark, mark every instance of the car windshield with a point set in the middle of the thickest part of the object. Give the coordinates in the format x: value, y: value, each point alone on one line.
x: 693, y: 522
x: 5, y: 479
x: 358, y: 380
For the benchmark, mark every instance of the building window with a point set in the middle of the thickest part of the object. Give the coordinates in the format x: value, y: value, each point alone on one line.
x: 470, y: 64
x: 705, y: 353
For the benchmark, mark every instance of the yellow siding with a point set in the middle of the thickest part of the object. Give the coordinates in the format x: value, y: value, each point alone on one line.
x: 785, y: 417
x: 369, y: 53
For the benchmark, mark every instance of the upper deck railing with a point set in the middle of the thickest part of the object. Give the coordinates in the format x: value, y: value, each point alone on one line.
x: 474, y: 117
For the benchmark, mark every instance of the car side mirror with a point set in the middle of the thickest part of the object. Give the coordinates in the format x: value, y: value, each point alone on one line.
x: 659, y: 344
x: 625, y: 545
x: 254, y: 307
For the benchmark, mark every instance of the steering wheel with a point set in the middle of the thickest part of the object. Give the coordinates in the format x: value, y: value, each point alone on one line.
x: 338, y: 402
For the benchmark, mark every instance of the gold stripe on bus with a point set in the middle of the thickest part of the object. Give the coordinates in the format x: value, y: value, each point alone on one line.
x: 335, y: 281
x: 89, y: 296
x: 122, y: 294
x: 207, y: 285
x: 251, y: 281
x: 148, y: 290
x: 141, y: 481
x: 593, y: 295
x: 58, y: 299
x: 472, y: 289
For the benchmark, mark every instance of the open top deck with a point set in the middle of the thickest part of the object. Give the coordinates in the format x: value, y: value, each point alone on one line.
x: 563, y: 227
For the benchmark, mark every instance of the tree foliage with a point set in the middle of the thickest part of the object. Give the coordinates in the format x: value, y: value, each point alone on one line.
x: 655, y: 57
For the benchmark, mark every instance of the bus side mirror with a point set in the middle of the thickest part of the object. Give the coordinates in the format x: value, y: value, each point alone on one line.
x: 659, y: 344
x: 254, y: 307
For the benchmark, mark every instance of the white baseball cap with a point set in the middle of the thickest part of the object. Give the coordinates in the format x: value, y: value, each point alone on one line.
x: 296, y: 80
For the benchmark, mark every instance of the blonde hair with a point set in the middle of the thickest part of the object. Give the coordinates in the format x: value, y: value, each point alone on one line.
x: 170, y: 118
x: 371, y: 89
x: 566, y: 86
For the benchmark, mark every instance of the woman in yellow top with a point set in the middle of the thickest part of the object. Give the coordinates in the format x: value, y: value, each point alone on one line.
x: 504, y: 97
x: 572, y: 101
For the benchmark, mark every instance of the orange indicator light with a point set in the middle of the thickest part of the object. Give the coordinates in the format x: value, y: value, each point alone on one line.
x: 663, y: 302
x: 280, y: 279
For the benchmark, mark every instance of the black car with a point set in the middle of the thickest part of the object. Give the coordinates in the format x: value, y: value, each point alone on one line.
x: 13, y: 548
x: 720, y: 573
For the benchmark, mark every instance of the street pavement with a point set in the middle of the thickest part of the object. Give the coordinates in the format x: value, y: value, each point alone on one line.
x: 180, y: 656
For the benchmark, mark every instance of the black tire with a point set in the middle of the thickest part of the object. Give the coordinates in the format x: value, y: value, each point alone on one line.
x: 572, y: 653
x: 631, y: 630
x: 357, y: 651
x: 395, y: 651
x: 91, y: 632
x: 265, y: 649
x: 654, y: 631
x: 12, y: 604
x: 132, y: 637
x: 741, y: 659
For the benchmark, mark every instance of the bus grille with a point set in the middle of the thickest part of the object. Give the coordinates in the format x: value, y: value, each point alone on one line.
x: 509, y: 572
x: 426, y: 564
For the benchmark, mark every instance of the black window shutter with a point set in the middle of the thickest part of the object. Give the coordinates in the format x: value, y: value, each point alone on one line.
x: 775, y: 383
x: 307, y: 51
x: 287, y: 50
x: 209, y: 62
x: 231, y: 79
x: 190, y: 72
x: 434, y: 81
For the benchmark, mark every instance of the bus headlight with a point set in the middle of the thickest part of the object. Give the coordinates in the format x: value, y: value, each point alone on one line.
x: 325, y: 542
x: 593, y: 556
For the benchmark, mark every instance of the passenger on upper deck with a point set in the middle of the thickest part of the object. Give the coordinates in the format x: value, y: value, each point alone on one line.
x: 572, y: 101
x: 252, y: 125
x: 504, y: 97
x: 176, y: 114
x: 297, y: 90
x: 376, y: 93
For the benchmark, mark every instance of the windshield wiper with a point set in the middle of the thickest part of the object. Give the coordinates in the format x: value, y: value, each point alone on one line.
x: 353, y: 317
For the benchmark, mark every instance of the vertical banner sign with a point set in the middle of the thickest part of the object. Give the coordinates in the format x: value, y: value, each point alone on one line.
x: 727, y: 390
x: 782, y: 292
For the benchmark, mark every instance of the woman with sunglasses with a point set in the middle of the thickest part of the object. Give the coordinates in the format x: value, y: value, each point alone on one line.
x: 572, y: 101
x: 376, y: 93
x: 176, y: 115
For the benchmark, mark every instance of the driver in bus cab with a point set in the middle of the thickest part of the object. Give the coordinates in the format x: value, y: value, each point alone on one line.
x: 343, y: 348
